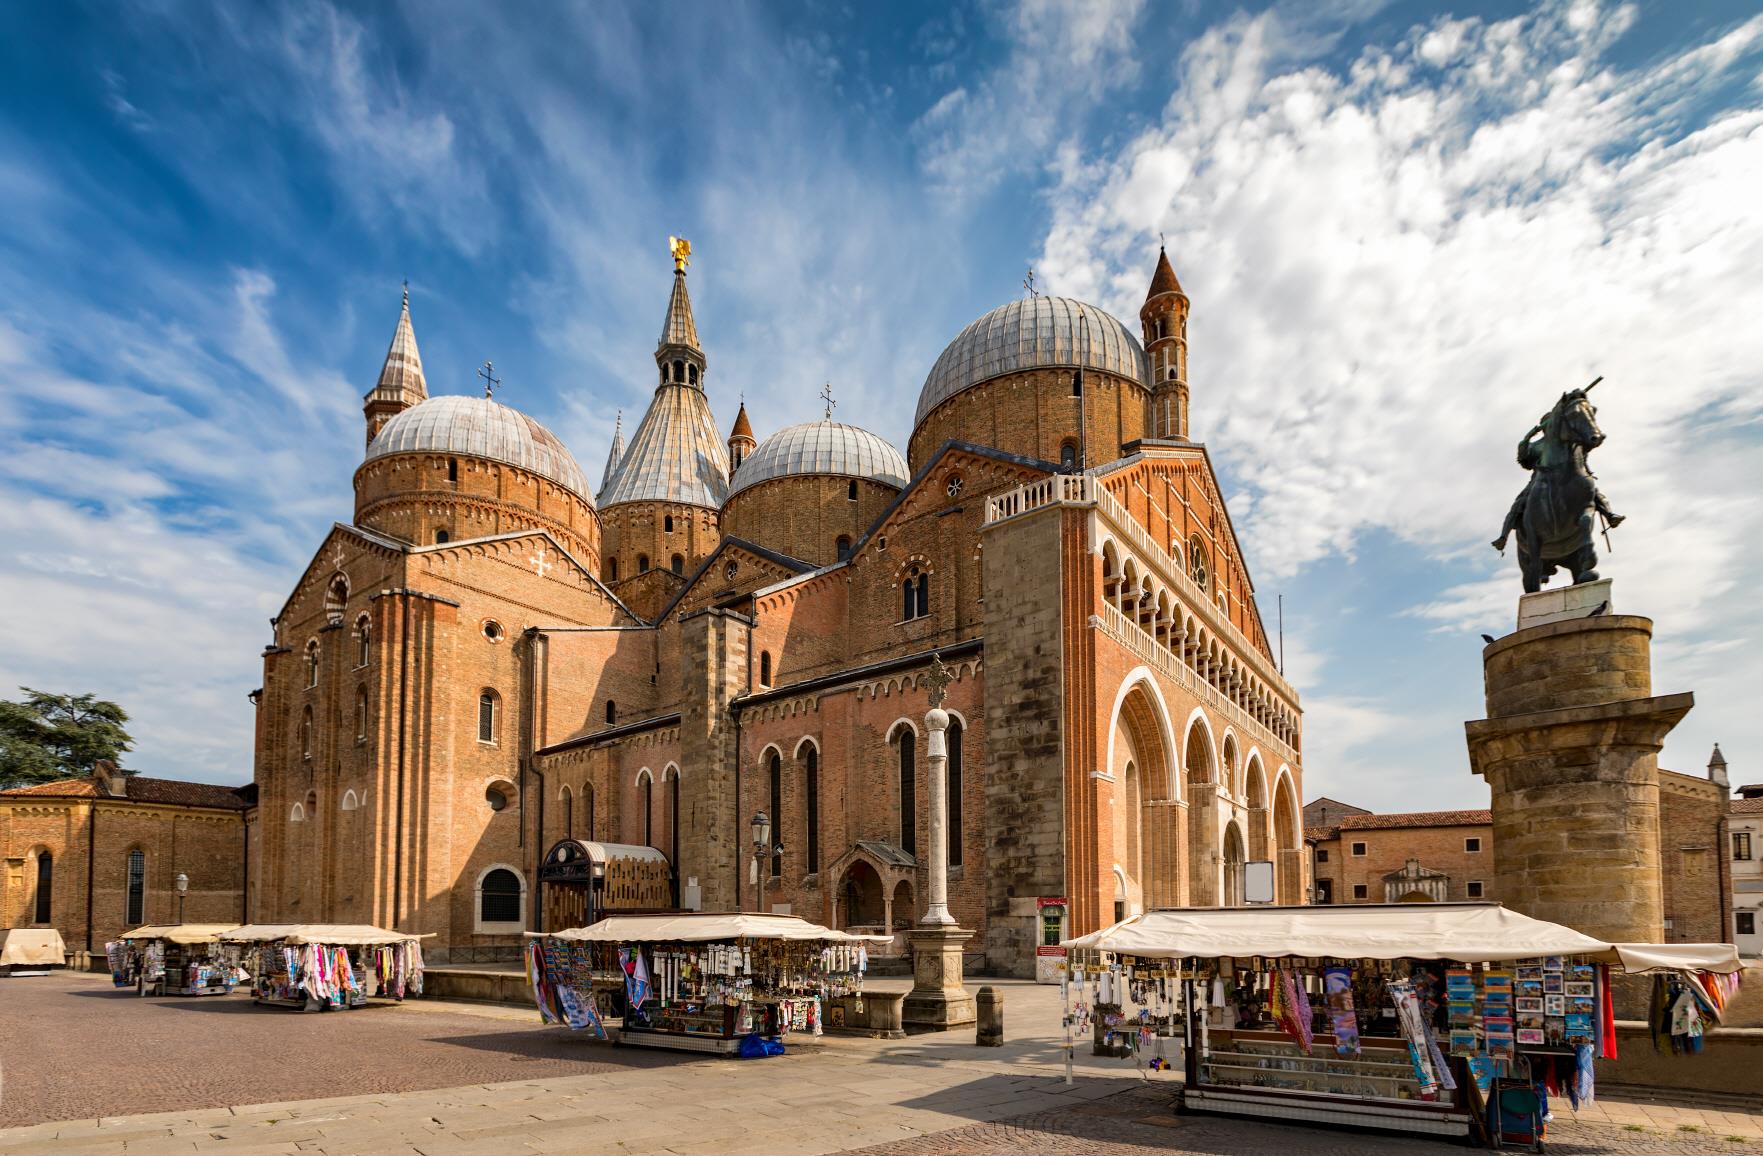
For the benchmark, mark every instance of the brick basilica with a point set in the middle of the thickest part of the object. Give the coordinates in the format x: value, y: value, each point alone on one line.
x: 493, y: 668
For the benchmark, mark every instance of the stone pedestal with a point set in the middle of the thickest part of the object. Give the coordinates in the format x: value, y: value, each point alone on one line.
x: 937, y: 1001
x: 1563, y: 603
x: 1570, y: 753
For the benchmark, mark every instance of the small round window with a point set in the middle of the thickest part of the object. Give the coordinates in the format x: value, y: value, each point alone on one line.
x: 731, y: 570
x: 493, y: 630
x: 953, y: 487
x: 496, y: 797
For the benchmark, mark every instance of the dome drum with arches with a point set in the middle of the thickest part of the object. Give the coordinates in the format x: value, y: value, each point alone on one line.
x: 481, y: 428
x: 1032, y: 334
x: 822, y: 447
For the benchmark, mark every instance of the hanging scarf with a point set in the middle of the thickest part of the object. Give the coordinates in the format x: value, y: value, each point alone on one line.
x: 535, y: 976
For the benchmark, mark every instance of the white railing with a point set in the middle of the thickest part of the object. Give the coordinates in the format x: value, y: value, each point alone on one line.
x: 1056, y: 490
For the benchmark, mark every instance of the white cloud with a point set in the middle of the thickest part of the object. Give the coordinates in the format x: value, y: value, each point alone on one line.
x: 1396, y: 264
x: 1061, y: 58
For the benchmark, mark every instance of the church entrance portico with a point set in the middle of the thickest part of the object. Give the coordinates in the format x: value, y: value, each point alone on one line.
x: 875, y: 890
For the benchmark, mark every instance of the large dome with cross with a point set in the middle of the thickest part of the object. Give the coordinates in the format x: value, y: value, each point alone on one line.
x: 481, y: 428
x: 822, y: 447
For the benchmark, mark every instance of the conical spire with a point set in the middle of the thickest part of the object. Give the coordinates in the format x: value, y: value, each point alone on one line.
x: 617, y: 454
x: 680, y: 328
x: 401, y: 383
x: 743, y: 427
x: 1718, y: 759
x: 1163, y: 280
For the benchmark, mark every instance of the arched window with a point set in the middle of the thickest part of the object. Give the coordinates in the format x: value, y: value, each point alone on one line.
x: 908, y: 790
x: 351, y: 801
x: 844, y: 546
x: 811, y: 804
x: 765, y: 668
x: 1077, y: 383
x: 647, y: 786
x: 336, y: 598
x: 306, y: 733
x: 499, y: 897
x: 667, y: 524
x: 642, y: 563
x: 673, y: 823
x: 692, y: 374
x: 298, y: 813
x: 452, y: 469
x: 442, y: 537
x: 486, y: 717
x: 679, y: 371
x: 587, y: 810
x: 775, y: 771
x: 137, y: 889
x: 909, y: 598
x: 45, y: 886
x: 363, y: 641
x: 568, y: 814
x: 1197, y: 567
x: 954, y: 785
x: 851, y: 490
x: 612, y: 568
x: 1068, y: 454
x: 361, y: 714
x: 923, y: 595
x: 611, y: 712
x: 312, y: 664
x: 678, y: 564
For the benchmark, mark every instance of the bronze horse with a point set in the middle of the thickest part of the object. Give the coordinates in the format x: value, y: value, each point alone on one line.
x: 1554, y: 514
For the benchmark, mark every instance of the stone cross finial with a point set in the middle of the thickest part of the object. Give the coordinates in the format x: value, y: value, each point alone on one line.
x: 1028, y: 283
x: 826, y: 395
x: 939, y: 680
x: 487, y: 371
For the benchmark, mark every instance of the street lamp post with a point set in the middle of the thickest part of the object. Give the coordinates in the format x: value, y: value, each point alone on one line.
x: 762, y: 847
x: 183, y: 886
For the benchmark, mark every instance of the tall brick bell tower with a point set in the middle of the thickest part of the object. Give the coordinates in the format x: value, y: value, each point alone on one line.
x: 1164, y: 316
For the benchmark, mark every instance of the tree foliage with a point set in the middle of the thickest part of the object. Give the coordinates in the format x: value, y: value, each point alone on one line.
x: 46, y: 736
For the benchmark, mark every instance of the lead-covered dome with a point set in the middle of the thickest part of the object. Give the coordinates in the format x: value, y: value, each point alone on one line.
x: 1032, y: 334
x: 481, y: 428
x: 822, y: 447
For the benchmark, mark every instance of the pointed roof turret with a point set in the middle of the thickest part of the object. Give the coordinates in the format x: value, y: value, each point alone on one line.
x: 1717, y: 759
x: 1163, y: 280
x: 401, y: 383
x: 616, y: 454
x: 743, y: 427
x: 675, y: 453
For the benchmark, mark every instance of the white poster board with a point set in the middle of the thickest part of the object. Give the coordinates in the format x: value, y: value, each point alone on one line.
x: 1258, y: 881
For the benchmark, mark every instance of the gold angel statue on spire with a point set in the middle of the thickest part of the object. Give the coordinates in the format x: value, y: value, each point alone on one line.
x: 681, y: 250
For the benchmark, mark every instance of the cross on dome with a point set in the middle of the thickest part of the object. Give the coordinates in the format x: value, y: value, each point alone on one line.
x: 826, y: 395
x: 487, y: 371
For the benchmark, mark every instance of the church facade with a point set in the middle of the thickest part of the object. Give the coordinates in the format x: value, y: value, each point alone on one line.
x: 494, y: 669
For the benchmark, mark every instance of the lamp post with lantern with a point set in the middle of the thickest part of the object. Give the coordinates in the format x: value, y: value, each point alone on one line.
x: 182, y: 882
x: 762, y: 848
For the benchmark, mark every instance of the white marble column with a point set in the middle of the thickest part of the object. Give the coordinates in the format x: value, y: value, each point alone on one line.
x: 936, y: 911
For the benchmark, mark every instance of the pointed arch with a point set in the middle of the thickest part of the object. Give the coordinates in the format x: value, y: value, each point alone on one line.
x: 1141, y: 677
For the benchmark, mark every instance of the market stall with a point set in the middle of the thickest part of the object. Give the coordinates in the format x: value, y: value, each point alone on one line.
x: 1449, y: 1019
x: 695, y: 982
x: 317, y: 967
x: 31, y: 950
x: 175, y: 959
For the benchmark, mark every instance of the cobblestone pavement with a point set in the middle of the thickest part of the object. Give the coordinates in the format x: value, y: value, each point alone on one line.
x: 1142, y: 1121
x: 72, y: 1046
x: 89, y: 1071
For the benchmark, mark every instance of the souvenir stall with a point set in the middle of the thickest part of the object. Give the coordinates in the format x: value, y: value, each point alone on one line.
x: 175, y: 959
x: 695, y: 982
x: 31, y: 951
x: 1444, y: 1019
x: 318, y: 967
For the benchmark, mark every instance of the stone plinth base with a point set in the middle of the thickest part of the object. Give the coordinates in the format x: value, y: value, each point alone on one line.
x: 1564, y: 602
x: 937, y: 1001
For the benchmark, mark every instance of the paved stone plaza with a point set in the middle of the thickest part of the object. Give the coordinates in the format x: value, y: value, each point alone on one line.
x: 93, y: 1070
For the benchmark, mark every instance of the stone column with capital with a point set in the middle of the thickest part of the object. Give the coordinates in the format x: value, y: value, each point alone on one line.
x: 938, y: 1000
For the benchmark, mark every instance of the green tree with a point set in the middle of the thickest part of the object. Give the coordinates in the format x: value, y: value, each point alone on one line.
x: 58, y: 736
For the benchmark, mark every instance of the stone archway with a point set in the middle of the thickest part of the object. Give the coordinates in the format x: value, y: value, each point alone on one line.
x: 865, y: 905
x: 1233, y: 864
x: 1260, y: 813
x: 1288, y: 837
x: 1147, y: 835
x: 1200, y: 788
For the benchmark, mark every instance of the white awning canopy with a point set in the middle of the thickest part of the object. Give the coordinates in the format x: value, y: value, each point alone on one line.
x: 335, y: 934
x: 32, y: 947
x: 181, y: 933
x: 1465, y: 932
x: 706, y: 928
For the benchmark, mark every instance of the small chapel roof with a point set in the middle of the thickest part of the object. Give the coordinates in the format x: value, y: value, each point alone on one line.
x: 822, y: 447
x: 483, y: 428
x: 138, y: 789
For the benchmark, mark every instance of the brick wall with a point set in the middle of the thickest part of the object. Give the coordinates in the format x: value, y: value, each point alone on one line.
x: 1694, y: 858
x: 805, y: 516
x: 1386, y: 850
x: 410, y: 497
x: 1033, y: 414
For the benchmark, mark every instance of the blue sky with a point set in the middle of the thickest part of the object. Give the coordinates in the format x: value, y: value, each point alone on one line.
x: 1404, y: 229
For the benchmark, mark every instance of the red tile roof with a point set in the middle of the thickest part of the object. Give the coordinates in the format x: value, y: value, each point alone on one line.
x: 141, y: 789
x: 1418, y: 819
x: 1320, y: 834
x: 1747, y: 807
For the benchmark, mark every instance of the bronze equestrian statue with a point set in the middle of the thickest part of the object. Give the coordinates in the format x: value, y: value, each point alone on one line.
x: 1553, y: 515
